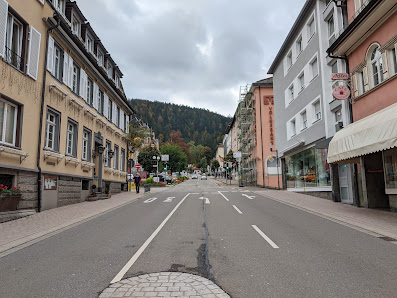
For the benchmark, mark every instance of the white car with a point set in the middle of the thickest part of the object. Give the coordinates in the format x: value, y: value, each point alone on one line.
x: 203, y: 177
x: 194, y: 176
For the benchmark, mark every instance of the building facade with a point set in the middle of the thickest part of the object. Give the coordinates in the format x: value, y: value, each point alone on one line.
x: 306, y: 114
x: 369, y: 42
x: 63, y: 112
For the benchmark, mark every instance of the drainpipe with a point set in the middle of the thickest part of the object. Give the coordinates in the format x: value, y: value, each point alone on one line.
x: 260, y: 113
x: 42, y: 114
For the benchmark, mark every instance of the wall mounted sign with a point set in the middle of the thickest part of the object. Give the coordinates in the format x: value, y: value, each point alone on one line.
x: 341, y: 92
x: 50, y: 182
x: 339, y: 76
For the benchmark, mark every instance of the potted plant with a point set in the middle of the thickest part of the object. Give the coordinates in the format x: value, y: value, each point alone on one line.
x: 9, y: 198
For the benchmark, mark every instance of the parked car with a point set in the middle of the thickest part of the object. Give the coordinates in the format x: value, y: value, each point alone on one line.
x: 203, y: 177
x: 194, y: 176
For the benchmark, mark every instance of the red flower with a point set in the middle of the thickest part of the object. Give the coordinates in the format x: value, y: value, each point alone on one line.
x: 19, y: 187
x: 5, y: 187
x: 1, y: 185
x: 14, y: 187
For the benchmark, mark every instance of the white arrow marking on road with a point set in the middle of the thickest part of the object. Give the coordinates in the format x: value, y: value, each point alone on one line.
x: 150, y: 200
x: 249, y: 197
x: 207, y: 201
x: 223, y: 196
x: 168, y: 200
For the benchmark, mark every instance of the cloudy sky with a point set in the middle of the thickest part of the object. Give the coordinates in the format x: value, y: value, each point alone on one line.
x: 192, y: 52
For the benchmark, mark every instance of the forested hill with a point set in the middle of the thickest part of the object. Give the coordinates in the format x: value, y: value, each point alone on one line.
x: 201, y: 126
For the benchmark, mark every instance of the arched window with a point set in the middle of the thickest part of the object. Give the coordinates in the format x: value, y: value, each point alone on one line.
x: 376, y: 65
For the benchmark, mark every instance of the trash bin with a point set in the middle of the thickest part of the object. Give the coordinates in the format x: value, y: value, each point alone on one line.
x: 147, y: 187
x: 240, y: 182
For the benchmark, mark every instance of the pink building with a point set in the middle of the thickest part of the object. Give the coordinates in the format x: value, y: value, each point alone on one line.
x: 369, y: 41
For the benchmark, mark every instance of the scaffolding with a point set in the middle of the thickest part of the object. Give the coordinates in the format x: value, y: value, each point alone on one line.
x: 246, y: 135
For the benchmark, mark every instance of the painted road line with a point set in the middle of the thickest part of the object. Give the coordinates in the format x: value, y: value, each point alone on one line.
x: 207, y: 201
x: 249, y: 197
x: 168, y: 200
x: 265, y: 237
x: 238, y: 210
x: 150, y: 200
x: 135, y: 257
x: 223, y: 196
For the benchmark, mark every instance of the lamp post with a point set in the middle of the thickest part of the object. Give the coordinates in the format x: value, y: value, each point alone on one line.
x: 157, y: 159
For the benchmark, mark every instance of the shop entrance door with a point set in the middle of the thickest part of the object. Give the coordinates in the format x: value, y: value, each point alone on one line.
x: 346, y: 192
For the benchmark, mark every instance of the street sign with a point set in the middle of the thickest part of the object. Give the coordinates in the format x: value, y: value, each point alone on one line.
x: 165, y: 157
x: 339, y: 76
x: 341, y: 92
x: 138, y: 166
x: 237, y: 154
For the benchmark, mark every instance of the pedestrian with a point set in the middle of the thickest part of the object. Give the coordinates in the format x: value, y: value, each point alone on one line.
x: 137, y: 181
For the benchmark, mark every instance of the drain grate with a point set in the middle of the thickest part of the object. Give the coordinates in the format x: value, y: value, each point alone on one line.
x: 388, y: 239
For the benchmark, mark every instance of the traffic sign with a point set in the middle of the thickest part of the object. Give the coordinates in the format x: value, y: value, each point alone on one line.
x: 165, y: 157
x: 237, y: 154
x: 138, y: 166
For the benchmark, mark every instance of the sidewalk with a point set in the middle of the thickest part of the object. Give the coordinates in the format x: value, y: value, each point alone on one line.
x: 376, y: 222
x: 28, y: 230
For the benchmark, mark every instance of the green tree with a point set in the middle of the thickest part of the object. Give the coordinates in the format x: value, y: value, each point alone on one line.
x: 229, y: 157
x: 136, y: 136
x: 215, y: 164
x: 145, y: 157
x: 178, y: 158
x: 206, y: 152
x: 195, y: 152
x: 203, y: 164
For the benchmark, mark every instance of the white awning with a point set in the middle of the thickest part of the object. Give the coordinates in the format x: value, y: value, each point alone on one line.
x: 373, y: 133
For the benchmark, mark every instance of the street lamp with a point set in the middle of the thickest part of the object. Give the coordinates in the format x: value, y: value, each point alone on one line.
x: 157, y: 159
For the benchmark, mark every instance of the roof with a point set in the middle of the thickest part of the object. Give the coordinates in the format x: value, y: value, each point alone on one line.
x: 291, y: 35
x: 264, y: 82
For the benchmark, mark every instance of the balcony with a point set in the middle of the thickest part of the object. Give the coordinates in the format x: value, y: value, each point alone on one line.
x: 13, y: 58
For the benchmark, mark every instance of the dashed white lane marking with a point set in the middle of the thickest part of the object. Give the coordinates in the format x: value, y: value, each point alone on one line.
x: 265, y: 237
x: 135, y: 257
x: 238, y: 210
x: 223, y: 196
x: 168, y: 200
x: 249, y: 197
x: 150, y: 200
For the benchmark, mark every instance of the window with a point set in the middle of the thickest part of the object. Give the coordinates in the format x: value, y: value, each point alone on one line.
x: 110, y: 70
x: 311, y: 27
x: 314, y: 68
x: 122, y: 160
x: 58, y: 62
x: 86, y: 145
x: 334, y: 67
x: 299, y: 46
x: 76, y: 79
x: 302, y: 80
x: 109, y: 115
x: 331, y: 29
x: 293, y: 128
x: 89, y: 43
x: 59, y: 5
x: 304, y: 120
x: 100, y: 58
x: 107, y: 159
x: 376, y: 67
x: 289, y: 60
x: 71, y: 138
x: 116, y: 157
x: 52, y: 131
x: 360, y: 80
x: 317, y: 111
x: 125, y: 123
x: 90, y: 91
x: 338, y: 120
x: 14, y: 42
x: 118, y: 118
x: 76, y: 25
x: 8, y: 123
x: 100, y: 101
x: 393, y: 60
x: 291, y: 92
x: 117, y: 81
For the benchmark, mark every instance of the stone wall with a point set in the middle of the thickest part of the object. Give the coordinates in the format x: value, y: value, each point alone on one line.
x: 27, y: 181
x: 319, y: 194
x: 115, y: 187
x: 69, y: 190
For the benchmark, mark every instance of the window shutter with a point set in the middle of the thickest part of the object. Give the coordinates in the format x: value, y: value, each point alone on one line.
x: 114, y: 116
x: 355, y: 85
x: 95, y: 97
x: 3, y: 25
x: 122, y: 120
x: 83, y: 84
x: 105, y: 105
x: 50, y: 54
x: 34, y: 53
x: 365, y: 75
x: 70, y: 72
x: 385, y: 66
x: 65, y: 68
x: 127, y: 122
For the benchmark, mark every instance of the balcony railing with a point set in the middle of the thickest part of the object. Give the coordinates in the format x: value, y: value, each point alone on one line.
x: 13, y: 58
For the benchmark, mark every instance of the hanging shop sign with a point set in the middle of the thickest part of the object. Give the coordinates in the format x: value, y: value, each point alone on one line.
x: 341, y: 92
x: 339, y: 76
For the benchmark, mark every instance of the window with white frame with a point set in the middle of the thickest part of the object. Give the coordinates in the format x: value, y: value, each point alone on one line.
x: 376, y: 67
x: 338, y: 120
x: 118, y: 117
x: 317, y: 110
x: 289, y: 60
x: 76, y: 79
x: 110, y: 110
x: 299, y: 45
x: 108, y: 146
x: 116, y: 157
x: 291, y: 93
x: 14, y: 42
x: 58, y: 62
x: 59, y: 5
x: 393, y: 59
x: 90, y: 91
x: 100, y: 57
x: 122, y: 160
x: 110, y: 70
x: 360, y: 81
x: 8, y: 123
x: 89, y: 43
x: 311, y: 27
x: 86, y: 145
x: 117, y: 81
x: 304, y: 120
x: 314, y: 68
x: 52, y: 131
x: 301, y: 79
x: 331, y: 29
x: 293, y: 127
x: 71, y: 138
x: 76, y: 25
x: 100, y: 101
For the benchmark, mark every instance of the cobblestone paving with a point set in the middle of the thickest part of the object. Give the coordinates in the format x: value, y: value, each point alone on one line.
x: 164, y: 284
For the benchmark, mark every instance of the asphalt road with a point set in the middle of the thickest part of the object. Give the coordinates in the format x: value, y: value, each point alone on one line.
x: 250, y: 245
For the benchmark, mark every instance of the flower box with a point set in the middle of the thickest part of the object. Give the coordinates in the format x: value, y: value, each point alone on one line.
x: 9, y: 202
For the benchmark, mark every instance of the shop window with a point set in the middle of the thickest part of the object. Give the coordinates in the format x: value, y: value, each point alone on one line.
x: 6, y: 180
x: 390, y: 161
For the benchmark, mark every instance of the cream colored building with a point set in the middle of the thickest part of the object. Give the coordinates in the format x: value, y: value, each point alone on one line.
x: 63, y: 112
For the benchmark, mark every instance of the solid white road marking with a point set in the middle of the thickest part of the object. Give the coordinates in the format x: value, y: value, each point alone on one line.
x: 223, y: 196
x: 150, y: 200
x: 238, y: 210
x: 168, y: 200
x: 135, y: 257
x: 265, y: 237
x: 207, y: 201
x: 249, y: 197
